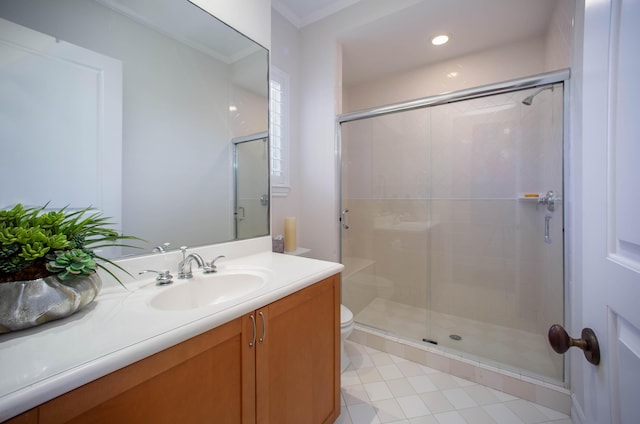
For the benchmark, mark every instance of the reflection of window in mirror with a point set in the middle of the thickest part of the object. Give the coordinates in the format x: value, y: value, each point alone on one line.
x: 279, y: 131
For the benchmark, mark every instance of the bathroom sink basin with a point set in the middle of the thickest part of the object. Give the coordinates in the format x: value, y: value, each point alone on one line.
x: 208, y: 289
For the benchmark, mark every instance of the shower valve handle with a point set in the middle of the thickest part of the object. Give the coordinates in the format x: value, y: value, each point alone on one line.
x: 549, y: 199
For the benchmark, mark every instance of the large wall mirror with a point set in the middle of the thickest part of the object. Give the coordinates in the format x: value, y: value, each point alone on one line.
x: 131, y: 107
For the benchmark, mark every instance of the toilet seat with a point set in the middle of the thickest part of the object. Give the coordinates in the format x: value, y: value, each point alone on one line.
x: 346, y: 327
x: 346, y: 316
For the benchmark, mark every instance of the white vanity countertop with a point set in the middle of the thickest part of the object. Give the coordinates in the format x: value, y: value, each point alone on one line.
x: 120, y: 327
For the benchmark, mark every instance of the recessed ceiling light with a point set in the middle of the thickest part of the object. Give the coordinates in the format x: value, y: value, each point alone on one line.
x: 439, y: 40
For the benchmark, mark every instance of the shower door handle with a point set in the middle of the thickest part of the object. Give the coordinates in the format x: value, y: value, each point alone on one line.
x: 240, y: 214
x: 343, y: 218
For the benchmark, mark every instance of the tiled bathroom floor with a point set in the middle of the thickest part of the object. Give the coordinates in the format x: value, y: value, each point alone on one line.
x: 382, y: 388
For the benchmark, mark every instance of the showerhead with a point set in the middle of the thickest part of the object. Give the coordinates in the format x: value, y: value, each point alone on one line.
x: 528, y: 100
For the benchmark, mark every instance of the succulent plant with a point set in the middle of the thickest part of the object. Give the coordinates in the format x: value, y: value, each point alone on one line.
x: 35, y: 243
x: 68, y: 264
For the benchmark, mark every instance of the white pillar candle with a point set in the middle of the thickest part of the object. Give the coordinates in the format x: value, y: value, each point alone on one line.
x: 289, y: 234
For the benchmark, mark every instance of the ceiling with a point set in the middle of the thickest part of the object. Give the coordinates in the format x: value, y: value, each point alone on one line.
x: 304, y: 12
x: 401, y: 41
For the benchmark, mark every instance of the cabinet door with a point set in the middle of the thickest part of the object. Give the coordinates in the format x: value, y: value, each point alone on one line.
x: 199, y: 380
x: 29, y: 417
x: 297, y: 362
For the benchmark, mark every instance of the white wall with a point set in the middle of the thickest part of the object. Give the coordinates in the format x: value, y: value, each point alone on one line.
x: 250, y: 17
x: 285, y: 56
x: 560, y: 36
x: 319, y: 75
x: 480, y: 68
x: 548, y: 53
x: 249, y: 118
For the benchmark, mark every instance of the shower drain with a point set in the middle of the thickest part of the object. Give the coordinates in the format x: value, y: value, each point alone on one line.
x: 455, y: 337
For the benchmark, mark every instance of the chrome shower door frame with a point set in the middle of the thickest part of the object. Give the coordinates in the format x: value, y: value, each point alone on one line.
x: 535, y: 81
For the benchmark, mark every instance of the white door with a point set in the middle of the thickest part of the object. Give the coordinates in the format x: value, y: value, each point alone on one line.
x: 610, y: 208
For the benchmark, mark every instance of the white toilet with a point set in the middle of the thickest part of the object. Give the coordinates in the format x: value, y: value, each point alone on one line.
x: 346, y: 327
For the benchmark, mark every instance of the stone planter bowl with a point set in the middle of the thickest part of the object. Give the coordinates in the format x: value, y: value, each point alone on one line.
x: 25, y: 304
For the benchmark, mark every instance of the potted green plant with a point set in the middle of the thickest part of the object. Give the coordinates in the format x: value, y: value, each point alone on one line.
x: 48, y: 262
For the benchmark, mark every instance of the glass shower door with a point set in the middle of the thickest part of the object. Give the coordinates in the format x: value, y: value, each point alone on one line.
x: 452, y: 226
x: 385, y: 222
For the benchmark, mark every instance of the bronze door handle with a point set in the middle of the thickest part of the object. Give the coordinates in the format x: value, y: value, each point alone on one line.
x: 561, y: 342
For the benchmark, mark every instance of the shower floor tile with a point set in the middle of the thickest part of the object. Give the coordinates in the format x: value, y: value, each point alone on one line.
x: 498, y: 346
x: 417, y: 398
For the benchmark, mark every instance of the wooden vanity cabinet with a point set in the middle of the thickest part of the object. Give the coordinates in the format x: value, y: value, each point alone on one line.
x: 197, y: 381
x: 298, y: 360
x: 289, y: 374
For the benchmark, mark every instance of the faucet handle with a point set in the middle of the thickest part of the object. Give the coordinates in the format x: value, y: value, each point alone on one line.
x: 210, y: 267
x: 161, y: 248
x: 162, y: 279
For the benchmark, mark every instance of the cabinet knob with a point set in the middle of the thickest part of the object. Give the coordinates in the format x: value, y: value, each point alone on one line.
x: 561, y: 342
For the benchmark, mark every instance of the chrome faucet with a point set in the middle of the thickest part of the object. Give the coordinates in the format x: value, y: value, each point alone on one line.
x: 184, y: 267
x: 210, y: 267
